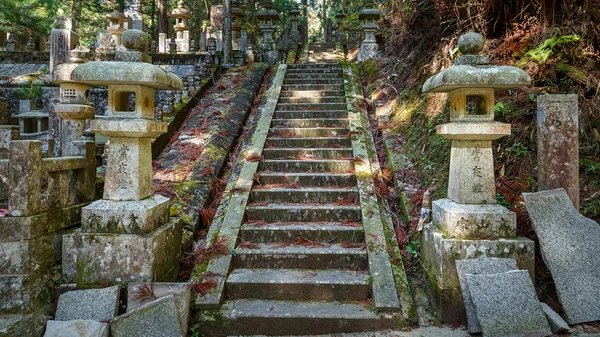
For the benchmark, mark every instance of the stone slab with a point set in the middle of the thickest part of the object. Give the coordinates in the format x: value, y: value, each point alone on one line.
x: 157, y: 318
x: 99, y: 258
x: 506, y: 305
x: 24, y: 293
x: 126, y: 217
x: 468, y: 76
x: 90, y: 304
x: 479, y: 266
x: 22, y: 325
x: 569, y: 246
x: 76, y: 328
x: 464, y: 221
x: 102, y: 73
x: 181, y: 294
x: 557, y: 323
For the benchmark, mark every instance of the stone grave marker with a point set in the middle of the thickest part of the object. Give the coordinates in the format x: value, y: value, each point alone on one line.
x: 90, y: 304
x: 157, y: 318
x: 181, y: 292
x: 570, y: 247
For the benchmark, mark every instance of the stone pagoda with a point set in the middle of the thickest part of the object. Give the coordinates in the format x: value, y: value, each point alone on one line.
x: 368, y: 48
x: 116, y: 26
x: 181, y: 15
x: 340, y: 35
x: 267, y: 15
x: 237, y: 17
x: 295, y: 33
x: 127, y: 235
x: 469, y: 223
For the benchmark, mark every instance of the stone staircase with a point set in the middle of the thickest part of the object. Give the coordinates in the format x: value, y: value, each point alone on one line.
x: 326, y: 52
x: 302, y: 264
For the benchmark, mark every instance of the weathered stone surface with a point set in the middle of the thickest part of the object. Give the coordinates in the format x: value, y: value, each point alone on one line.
x: 126, y: 217
x: 557, y: 324
x: 98, y: 258
x: 24, y: 293
x: 471, y: 43
x: 464, y: 221
x: 62, y: 41
x: 569, y: 246
x: 558, y: 144
x: 103, y: 73
x: 506, y: 305
x: 483, y: 76
x: 22, y: 325
x: 181, y: 293
x: 76, y: 328
x: 479, y: 266
x: 157, y: 318
x: 90, y: 304
x: 134, y: 39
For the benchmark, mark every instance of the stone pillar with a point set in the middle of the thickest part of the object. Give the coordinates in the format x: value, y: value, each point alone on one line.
x: 62, y: 41
x: 469, y: 223
x: 216, y: 25
x: 369, y: 49
x: 202, y: 42
x: 558, y: 144
x: 10, y: 43
x: 162, y: 43
x: 237, y: 17
x: 181, y: 15
x: 132, y: 220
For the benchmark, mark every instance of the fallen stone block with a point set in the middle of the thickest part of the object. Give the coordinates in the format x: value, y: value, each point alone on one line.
x: 479, y: 266
x: 76, y: 328
x: 181, y: 294
x: 569, y: 243
x: 90, y: 304
x: 557, y: 324
x: 506, y: 305
x: 158, y: 318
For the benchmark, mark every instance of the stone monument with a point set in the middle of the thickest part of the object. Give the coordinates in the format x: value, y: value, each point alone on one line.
x: 295, y: 33
x: 181, y: 15
x: 115, y: 28
x: 144, y: 242
x: 469, y: 223
x: 368, y: 48
x: 62, y: 41
x: 267, y: 15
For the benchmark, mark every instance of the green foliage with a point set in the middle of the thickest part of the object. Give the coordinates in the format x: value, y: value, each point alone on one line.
x: 413, y: 248
x: 26, y: 16
x: 33, y: 93
x: 519, y: 149
x: 547, y: 49
x: 502, y: 201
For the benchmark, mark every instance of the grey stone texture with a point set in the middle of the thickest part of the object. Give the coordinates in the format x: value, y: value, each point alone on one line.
x: 181, y: 292
x: 134, y: 39
x: 479, y: 266
x: 90, y: 304
x: 156, y: 319
x: 557, y: 323
x: 471, y: 43
x: 558, y: 144
x: 76, y: 328
x: 569, y: 246
x: 506, y: 305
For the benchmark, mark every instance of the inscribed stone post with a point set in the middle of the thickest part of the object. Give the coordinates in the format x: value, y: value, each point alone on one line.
x: 558, y: 144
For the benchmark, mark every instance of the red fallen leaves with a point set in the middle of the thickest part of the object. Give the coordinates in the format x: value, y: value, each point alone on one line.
x: 300, y: 241
x: 350, y: 223
x: 362, y: 246
x: 207, y: 171
x: 207, y: 281
x: 206, y: 216
x: 256, y: 223
x: 247, y: 245
x: 351, y: 133
x: 347, y: 201
x: 254, y: 157
x: 286, y: 134
x: 145, y: 292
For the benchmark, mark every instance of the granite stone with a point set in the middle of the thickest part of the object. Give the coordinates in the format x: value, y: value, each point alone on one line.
x: 156, y: 319
x: 569, y: 246
x: 90, y: 304
x: 557, y: 323
x: 479, y: 266
x: 181, y: 294
x: 76, y: 328
x: 506, y: 305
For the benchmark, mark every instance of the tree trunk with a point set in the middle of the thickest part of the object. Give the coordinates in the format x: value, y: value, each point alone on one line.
x: 163, y: 23
x: 324, y: 22
x: 305, y: 22
x: 152, y: 22
x: 227, y: 32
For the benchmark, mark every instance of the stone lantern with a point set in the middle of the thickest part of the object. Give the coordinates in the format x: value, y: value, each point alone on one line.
x: 368, y: 48
x: 340, y: 35
x: 115, y: 28
x: 237, y: 16
x: 469, y: 223
x: 267, y: 15
x: 145, y: 244
x: 295, y: 33
x: 181, y: 15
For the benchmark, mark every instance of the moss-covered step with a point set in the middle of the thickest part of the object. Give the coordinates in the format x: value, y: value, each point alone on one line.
x: 308, y: 132
x: 321, y: 195
x: 317, y: 99
x: 257, y: 232
x: 311, y: 106
x: 308, y: 178
x: 312, y: 87
x: 292, y: 153
x: 312, y: 93
x: 299, y: 212
x: 310, y: 114
x: 329, y: 165
x: 308, y: 142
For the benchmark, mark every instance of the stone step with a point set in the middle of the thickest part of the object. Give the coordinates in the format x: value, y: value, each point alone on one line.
x: 309, y: 142
x: 310, y: 106
x: 280, y: 318
x: 318, y: 99
x: 312, y: 122
x: 310, y: 114
x: 290, y: 231
x: 312, y: 71
x: 308, y: 132
x: 315, y: 93
x: 311, y: 87
x: 293, y: 153
x: 314, y: 66
x: 308, y: 179
x: 313, y: 81
x: 303, y: 213
x: 298, y: 284
x: 315, y: 75
x: 320, y: 195
x: 272, y: 255
x: 293, y: 165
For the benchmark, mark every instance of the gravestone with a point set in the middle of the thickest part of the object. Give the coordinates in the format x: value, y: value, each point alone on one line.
x: 569, y: 243
x: 181, y: 293
x: 90, y: 304
x: 558, y: 144
x: 62, y: 41
x: 480, y: 266
x: 159, y: 316
x: 216, y: 24
x: 506, y: 305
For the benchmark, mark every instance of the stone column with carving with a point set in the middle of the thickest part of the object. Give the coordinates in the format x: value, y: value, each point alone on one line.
x: 62, y: 41
x: 368, y: 48
x: 558, y: 144
x: 145, y: 243
x: 181, y: 15
x: 469, y: 223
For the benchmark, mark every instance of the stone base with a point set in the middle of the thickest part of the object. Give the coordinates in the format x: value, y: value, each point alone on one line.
x: 368, y: 51
x: 466, y: 221
x: 31, y: 325
x: 91, y: 258
x: 25, y: 293
x: 125, y: 217
x: 438, y: 258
